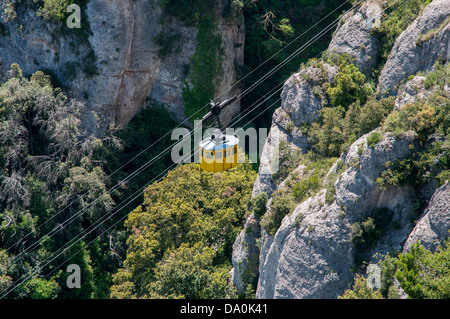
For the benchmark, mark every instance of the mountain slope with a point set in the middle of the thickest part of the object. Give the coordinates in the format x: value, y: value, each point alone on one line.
x: 377, y: 197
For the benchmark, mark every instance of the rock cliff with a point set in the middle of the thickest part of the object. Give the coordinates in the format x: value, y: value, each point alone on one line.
x: 313, y: 253
x: 353, y: 36
x: 419, y: 46
x: 125, y: 53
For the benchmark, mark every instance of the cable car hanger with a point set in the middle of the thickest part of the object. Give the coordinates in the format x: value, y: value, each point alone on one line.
x: 216, y: 109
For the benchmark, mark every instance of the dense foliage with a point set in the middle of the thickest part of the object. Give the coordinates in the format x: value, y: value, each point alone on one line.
x: 54, y: 188
x: 354, y: 110
x: 47, y: 175
x: 181, y: 237
x: 422, y: 274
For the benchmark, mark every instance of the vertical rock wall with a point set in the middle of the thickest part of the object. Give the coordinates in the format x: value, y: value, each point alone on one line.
x: 121, y: 55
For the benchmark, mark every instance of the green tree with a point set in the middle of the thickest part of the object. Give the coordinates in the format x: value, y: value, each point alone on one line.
x: 363, y: 118
x: 281, y: 205
x: 258, y: 204
x: 5, y: 278
x: 349, y: 85
x: 408, y: 271
x: 361, y: 290
x: 188, y: 272
x: 56, y: 9
x: 373, y: 139
x: 123, y: 287
x: 46, y: 167
x: 424, y: 274
x: 39, y: 288
x: 187, y: 207
x: 327, y: 135
x: 421, y: 273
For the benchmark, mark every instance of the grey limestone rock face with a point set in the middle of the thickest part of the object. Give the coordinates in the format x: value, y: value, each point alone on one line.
x: 301, y: 102
x: 123, y: 49
x: 264, y: 182
x: 311, y: 254
x: 140, y: 71
x: 413, y: 91
x: 411, y: 55
x: 356, y: 189
x: 268, y: 160
x: 127, y: 57
x: 34, y: 48
x: 433, y: 227
x: 300, y: 105
x: 353, y: 36
x: 245, y: 254
x: 302, y: 93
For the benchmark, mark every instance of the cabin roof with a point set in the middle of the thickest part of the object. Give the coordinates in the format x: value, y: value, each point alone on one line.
x: 218, y: 143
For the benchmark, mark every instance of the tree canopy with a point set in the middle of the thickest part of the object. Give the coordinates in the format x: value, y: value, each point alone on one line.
x: 180, y: 238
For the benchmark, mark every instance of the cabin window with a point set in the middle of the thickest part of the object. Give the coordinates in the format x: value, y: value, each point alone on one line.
x: 209, y: 155
x: 219, y: 155
x: 203, y: 153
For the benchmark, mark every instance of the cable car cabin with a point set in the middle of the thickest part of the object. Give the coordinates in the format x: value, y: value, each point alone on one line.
x: 219, y: 153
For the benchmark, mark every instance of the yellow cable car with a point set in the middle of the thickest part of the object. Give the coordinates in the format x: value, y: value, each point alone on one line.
x: 219, y: 153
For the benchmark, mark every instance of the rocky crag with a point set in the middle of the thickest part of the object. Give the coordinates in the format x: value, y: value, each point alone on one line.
x: 312, y: 254
x: 125, y: 53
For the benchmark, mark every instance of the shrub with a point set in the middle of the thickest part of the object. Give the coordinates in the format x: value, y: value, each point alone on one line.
x: 298, y: 219
x: 290, y: 126
x: 389, y: 178
x: 281, y: 205
x: 431, y: 79
x: 443, y: 177
x: 337, y: 128
x: 363, y: 118
x: 330, y: 195
x: 258, y: 204
x: 288, y: 159
x: 373, y: 139
x: 439, y: 75
x: 366, y: 233
x: 56, y: 9
x: 418, y: 168
x: 420, y: 117
x: 349, y: 86
x: 306, y: 187
x: 361, y: 290
x: 328, y: 136
x: 53, y: 9
x: 423, y: 274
